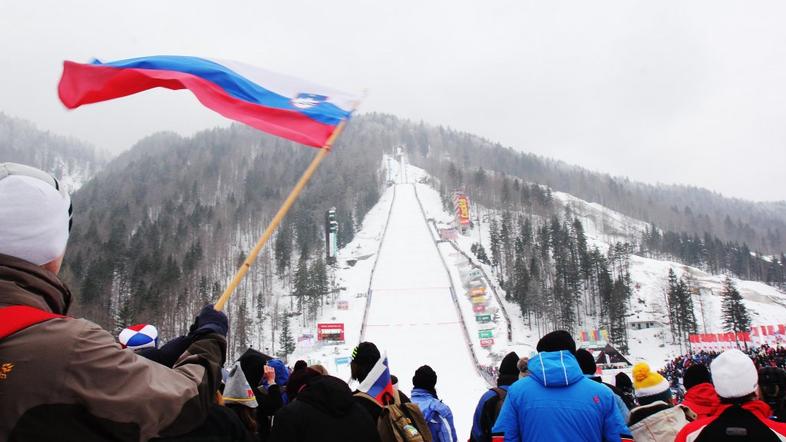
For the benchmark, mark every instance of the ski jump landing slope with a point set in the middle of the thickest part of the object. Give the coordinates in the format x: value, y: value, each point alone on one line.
x: 412, y: 314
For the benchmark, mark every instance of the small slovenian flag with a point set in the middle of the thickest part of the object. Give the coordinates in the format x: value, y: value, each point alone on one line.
x: 378, y: 384
x: 139, y: 336
x: 283, y: 106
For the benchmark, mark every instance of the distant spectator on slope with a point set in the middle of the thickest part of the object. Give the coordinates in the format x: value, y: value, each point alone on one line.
x: 438, y: 415
x: 557, y: 402
x: 700, y: 394
x: 650, y: 386
x: 741, y: 416
x: 490, y: 403
x: 589, y: 367
x: 625, y: 385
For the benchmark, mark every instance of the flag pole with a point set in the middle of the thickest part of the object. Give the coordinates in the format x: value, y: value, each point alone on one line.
x: 282, y: 211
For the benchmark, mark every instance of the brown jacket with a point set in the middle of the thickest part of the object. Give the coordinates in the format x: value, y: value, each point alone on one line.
x: 70, y: 380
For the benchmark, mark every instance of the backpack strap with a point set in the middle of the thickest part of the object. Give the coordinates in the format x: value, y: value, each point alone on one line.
x: 18, y: 317
x: 367, y: 396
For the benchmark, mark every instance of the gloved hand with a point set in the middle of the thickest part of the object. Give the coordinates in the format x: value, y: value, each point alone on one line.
x: 210, y: 321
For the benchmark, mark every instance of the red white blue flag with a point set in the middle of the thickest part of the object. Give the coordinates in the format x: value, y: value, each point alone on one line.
x: 283, y: 106
x: 378, y: 384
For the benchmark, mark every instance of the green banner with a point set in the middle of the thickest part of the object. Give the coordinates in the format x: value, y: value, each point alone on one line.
x: 484, y: 334
x: 483, y: 318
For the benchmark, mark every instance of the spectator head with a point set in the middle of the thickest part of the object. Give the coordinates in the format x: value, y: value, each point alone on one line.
x: 364, y: 356
x: 425, y: 378
x: 696, y: 374
x: 586, y: 362
x: 772, y: 386
x: 623, y: 382
x: 299, y: 365
x: 299, y: 380
x: 321, y: 369
x: 35, y: 212
x: 557, y: 341
x: 523, y: 366
x: 139, y: 336
x: 650, y: 386
x: 734, y: 376
x: 508, y: 370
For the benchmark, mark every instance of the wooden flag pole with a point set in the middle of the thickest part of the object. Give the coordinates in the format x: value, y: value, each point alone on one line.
x: 252, y: 256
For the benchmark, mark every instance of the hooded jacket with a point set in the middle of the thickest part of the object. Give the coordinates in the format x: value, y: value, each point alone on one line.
x: 438, y: 415
x: 750, y: 417
x: 558, y: 403
x: 70, y: 380
x: 324, y: 411
x: 662, y: 425
x: 702, y: 399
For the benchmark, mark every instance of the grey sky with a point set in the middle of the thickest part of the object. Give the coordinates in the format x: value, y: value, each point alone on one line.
x: 661, y: 91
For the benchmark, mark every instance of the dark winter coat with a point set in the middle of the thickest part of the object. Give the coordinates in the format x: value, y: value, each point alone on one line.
x: 702, y: 400
x: 68, y: 379
x: 748, y: 420
x: 324, y: 411
x: 221, y: 425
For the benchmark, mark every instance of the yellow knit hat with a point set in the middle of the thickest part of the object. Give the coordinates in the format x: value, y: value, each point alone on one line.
x: 646, y: 382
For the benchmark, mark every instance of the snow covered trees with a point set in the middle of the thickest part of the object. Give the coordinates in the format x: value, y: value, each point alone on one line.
x: 682, y: 319
x: 735, y: 315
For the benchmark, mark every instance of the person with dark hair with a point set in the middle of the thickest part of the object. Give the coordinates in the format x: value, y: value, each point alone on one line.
x: 557, y: 402
x: 438, y: 415
x: 772, y: 384
x: 299, y: 365
x: 700, y: 395
x: 268, y: 393
x: 322, y: 410
x: 365, y: 356
x: 741, y: 416
x: 625, y: 385
x: 589, y: 367
x: 490, y: 403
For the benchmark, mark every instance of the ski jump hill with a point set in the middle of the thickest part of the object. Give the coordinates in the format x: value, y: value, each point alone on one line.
x: 412, y: 313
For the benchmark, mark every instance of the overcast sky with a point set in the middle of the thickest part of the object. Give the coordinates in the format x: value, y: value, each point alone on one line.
x: 690, y: 92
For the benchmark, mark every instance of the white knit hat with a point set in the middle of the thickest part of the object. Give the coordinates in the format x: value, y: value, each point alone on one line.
x: 34, y: 214
x: 734, y: 374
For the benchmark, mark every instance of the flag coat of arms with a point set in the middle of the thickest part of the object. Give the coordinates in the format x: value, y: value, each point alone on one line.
x: 277, y: 104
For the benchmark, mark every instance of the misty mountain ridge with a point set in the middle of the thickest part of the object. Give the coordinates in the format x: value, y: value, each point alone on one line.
x: 168, y: 221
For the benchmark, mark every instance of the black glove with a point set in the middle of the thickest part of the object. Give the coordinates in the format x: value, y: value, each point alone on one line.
x: 210, y: 321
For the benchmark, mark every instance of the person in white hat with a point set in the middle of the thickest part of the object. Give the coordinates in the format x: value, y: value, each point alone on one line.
x: 741, y: 416
x: 64, y: 378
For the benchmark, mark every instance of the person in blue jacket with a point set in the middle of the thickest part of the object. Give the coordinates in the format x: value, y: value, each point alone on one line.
x: 438, y: 415
x: 556, y: 402
x: 508, y: 374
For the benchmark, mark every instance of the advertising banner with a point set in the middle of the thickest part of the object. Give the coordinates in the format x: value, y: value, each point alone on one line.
x: 486, y: 342
x: 483, y: 318
x: 478, y: 308
x: 330, y: 332
x: 484, y: 334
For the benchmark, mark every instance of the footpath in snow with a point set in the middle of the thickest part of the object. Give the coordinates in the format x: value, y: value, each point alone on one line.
x: 412, y: 314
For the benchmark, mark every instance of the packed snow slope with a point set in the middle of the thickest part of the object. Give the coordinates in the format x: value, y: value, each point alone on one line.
x: 412, y: 314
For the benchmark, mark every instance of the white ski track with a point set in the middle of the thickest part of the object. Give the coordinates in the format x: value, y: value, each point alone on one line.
x: 412, y: 315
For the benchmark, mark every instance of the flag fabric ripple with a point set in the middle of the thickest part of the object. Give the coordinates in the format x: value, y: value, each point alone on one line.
x: 280, y: 105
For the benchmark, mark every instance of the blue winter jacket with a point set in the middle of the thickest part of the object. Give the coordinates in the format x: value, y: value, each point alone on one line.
x: 557, y: 403
x: 438, y: 415
x: 477, y: 432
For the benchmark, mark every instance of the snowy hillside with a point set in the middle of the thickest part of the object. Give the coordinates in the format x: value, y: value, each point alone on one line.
x: 396, y: 279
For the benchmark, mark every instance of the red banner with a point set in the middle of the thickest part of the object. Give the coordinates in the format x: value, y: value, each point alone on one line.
x: 330, y: 332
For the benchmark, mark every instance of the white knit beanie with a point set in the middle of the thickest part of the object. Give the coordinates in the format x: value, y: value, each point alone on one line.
x: 734, y: 374
x: 34, y: 215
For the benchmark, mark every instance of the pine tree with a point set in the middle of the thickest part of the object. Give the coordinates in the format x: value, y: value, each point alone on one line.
x: 496, y: 251
x: 283, y: 248
x: 301, y: 289
x: 285, y: 340
x: 735, y: 315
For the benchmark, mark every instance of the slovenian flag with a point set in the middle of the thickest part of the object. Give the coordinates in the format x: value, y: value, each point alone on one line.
x: 283, y: 106
x: 378, y: 384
